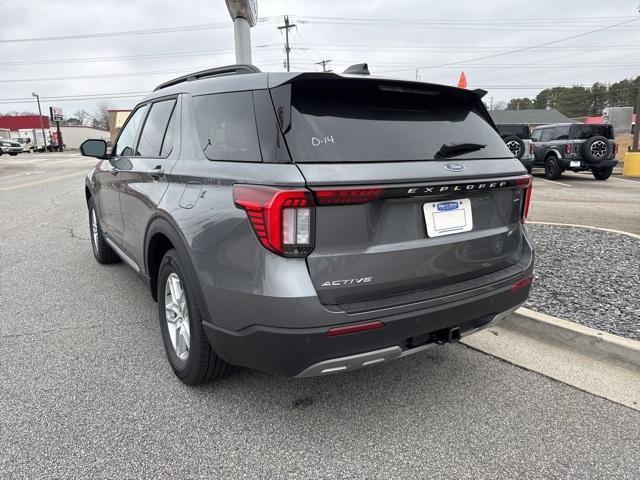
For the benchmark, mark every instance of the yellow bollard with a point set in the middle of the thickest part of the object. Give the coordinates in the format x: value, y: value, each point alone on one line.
x: 631, y: 164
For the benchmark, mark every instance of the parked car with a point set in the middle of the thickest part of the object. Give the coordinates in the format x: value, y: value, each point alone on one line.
x: 577, y: 147
x: 310, y: 223
x: 9, y: 146
x: 518, y: 138
x: 27, y: 145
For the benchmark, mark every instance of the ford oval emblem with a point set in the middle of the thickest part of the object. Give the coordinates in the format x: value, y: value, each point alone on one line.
x: 454, y: 167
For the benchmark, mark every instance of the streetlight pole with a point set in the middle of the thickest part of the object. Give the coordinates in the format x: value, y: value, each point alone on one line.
x: 44, y: 138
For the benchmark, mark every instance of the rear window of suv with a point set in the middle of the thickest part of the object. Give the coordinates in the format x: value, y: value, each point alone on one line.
x: 367, y: 121
x: 583, y: 132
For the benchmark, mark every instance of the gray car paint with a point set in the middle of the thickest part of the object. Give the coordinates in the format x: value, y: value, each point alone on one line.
x: 242, y: 284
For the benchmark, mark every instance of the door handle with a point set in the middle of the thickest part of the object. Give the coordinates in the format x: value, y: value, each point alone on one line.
x: 115, y: 170
x: 156, y: 172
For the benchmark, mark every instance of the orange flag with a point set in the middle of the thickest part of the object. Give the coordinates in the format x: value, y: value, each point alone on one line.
x: 462, y: 83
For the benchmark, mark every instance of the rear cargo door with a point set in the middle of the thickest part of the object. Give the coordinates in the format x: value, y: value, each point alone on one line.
x: 396, y: 211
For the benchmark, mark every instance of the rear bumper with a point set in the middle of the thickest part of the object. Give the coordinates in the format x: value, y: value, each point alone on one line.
x: 584, y: 165
x: 302, y: 352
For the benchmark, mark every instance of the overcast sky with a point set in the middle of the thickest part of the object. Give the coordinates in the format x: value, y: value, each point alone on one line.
x: 394, y: 37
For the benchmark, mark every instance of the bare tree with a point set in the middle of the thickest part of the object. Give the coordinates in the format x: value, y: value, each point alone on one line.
x: 500, y: 105
x: 100, y: 116
x: 84, y: 117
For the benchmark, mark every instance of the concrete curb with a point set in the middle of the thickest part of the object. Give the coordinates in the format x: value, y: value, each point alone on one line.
x: 587, y: 341
x: 602, y: 229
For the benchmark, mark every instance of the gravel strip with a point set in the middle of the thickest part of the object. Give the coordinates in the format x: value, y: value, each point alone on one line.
x: 587, y: 276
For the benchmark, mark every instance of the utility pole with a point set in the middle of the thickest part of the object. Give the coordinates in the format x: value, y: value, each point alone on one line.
x: 417, y: 75
x: 324, y: 64
x: 287, y: 48
x: 44, y: 138
x: 491, y: 104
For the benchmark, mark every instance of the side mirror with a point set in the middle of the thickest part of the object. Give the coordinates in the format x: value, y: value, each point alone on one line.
x: 94, y: 148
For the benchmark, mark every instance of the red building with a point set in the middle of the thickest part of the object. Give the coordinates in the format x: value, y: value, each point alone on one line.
x: 20, y: 122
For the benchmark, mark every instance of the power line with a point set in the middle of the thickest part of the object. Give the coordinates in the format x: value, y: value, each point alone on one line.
x: 524, y: 49
x: 147, y: 56
x: 151, y: 31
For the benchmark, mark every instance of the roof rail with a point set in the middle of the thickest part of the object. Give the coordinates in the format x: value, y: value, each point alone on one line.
x: 211, y: 72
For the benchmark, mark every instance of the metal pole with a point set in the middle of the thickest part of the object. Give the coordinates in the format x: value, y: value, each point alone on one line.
x: 242, y: 36
x: 44, y: 138
x: 636, y: 128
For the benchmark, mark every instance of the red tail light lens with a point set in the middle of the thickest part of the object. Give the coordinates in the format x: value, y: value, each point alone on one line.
x: 615, y: 148
x: 351, y: 196
x: 282, y: 219
x: 525, y: 183
x: 532, y: 148
x: 568, y: 149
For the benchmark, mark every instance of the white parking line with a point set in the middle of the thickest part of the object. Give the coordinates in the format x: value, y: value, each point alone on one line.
x: 553, y: 181
x: 625, y: 180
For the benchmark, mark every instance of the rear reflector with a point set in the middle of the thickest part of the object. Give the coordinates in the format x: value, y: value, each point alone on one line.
x: 615, y: 148
x: 520, y: 284
x: 361, y: 327
x: 351, y: 196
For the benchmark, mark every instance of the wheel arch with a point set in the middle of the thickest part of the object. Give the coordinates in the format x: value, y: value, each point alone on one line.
x: 162, y: 235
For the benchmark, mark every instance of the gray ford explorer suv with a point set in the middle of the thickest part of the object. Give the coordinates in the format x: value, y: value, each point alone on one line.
x: 309, y: 223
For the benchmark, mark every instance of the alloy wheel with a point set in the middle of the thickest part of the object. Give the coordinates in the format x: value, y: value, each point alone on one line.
x: 177, y: 315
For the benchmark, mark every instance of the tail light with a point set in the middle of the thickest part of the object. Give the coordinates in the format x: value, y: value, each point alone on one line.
x: 526, y: 184
x: 532, y: 148
x: 568, y: 149
x: 615, y: 148
x: 282, y: 219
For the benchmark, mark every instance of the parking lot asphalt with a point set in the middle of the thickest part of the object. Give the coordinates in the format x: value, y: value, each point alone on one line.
x: 579, y: 199
x: 87, y: 393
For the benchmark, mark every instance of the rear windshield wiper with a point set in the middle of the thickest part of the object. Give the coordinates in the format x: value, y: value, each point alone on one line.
x: 450, y: 149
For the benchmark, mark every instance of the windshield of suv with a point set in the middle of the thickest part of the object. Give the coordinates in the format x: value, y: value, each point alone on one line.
x: 518, y: 130
x: 367, y: 121
x: 582, y: 132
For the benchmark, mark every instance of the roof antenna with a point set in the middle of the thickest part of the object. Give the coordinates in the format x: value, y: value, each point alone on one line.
x: 358, y: 69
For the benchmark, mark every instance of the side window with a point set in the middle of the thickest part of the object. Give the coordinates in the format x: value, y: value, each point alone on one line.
x: 535, y: 135
x: 561, y: 132
x: 227, y: 126
x: 167, y: 143
x: 546, y: 134
x: 155, y: 127
x: 126, y: 141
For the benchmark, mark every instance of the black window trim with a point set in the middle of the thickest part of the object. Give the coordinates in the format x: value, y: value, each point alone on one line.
x: 150, y: 104
x: 133, y: 112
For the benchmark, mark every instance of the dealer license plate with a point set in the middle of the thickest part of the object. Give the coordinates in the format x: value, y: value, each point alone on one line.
x: 446, y: 218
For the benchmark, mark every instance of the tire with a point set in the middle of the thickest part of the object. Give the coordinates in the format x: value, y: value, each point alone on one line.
x: 596, y: 148
x: 602, y: 173
x: 552, y: 168
x: 193, y: 361
x: 102, y: 252
x: 516, y: 145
